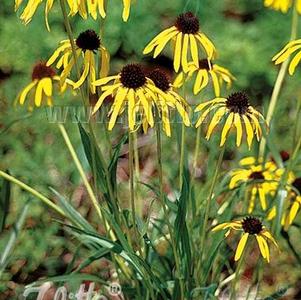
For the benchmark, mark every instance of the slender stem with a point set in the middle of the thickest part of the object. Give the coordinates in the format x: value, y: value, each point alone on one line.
x: 208, y: 202
x: 80, y: 170
x: 197, y: 148
x: 162, y: 200
x: 279, y: 81
x: 237, y: 276
x: 33, y: 192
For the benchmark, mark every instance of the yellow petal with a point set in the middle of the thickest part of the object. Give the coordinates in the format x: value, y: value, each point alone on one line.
x: 105, y: 80
x: 260, y: 242
x: 226, y: 128
x: 194, y: 50
x: 178, y: 52
x: 215, y: 120
x: 241, y: 246
x: 39, y: 93
x: 25, y: 91
x: 249, y: 129
x: 163, y: 43
x: 184, y: 53
x: 120, y: 97
x: 295, y: 61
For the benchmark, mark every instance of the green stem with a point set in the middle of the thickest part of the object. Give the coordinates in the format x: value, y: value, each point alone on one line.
x: 162, y: 201
x: 209, y: 199
x: 279, y: 81
x: 237, y: 276
x: 32, y: 191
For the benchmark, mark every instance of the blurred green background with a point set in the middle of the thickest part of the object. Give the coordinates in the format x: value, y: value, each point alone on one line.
x: 246, y: 35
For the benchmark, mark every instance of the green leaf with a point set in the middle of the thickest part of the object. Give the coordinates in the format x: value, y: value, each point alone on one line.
x: 72, y: 214
x: 278, y: 294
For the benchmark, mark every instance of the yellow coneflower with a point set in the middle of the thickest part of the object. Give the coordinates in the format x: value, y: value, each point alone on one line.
x: 285, y: 53
x: 133, y: 89
x: 236, y: 110
x: 204, y: 71
x: 167, y: 98
x: 263, y: 180
x: 31, y: 8
x: 282, y: 5
x: 185, y: 35
x: 249, y: 226
x: 93, y: 7
x: 291, y: 205
x: 87, y: 43
x: 43, y: 78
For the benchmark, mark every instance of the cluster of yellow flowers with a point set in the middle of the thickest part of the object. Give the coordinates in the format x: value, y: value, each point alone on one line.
x: 138, y: 92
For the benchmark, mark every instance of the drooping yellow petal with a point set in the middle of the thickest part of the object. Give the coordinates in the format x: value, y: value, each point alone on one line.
x: 131, y: 109
x: 293, y: 212
x: 48, y: 7
x: 252, y: 199
x: 249, y: 129
x: 149, y: 48
x: 214, y: 101
x: 194, y: 50
x: 237, y: 123
x: 178, y: 52
x: 262, y: 198
x: 226, y: 128
x: 104, y: 95
x: 215, y: 120
x: 105, y: 80
x: 105, y: 62
x: 295, y: 61
x: 84, y: 75
x: 262, y: 248
x: 215, y: 81
x: 39, y: 93
x: 241, y: 246
x: 47, y: 86
x: 26, y: 90
x: 163, y: 43
x: 184, y: 53
x: 120, y: 97
x: 126, y: 9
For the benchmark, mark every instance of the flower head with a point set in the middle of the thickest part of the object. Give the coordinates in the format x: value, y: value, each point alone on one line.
x: 87, y: 44
x: 262, y: 180
x: 185, y: 35
x: 92, y: 8
x: 30, y: 9
x: 140, y: 93
x: 282, y: 5
x: 43, y: 78
x: 291, y: 205
x: 206, y: 70
x: 249, y: 226
x: 236, y: 110
x: 286, y: 52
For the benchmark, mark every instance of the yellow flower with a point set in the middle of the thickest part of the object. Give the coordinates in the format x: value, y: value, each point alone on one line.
x: 263, y: 180
x: 285, y: 53
x: 132, y: 88
x: 185, y: 36
x: 168, y: 97
x: 93, y: 7
x: 31, y: 8
x: 87, y: 44
x: 291, y: 205
x: 282, y: 5
x: 236, y: 110
x: 43, y: 78
x: 249, y: 226
x: 204, y: 71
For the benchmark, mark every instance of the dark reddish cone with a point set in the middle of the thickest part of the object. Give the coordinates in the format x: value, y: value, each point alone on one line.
x: 297, y: 184
x: 160, y: 79
x: 257, y: 176
x: 284, y: 155
x: 132, y: 76
x: 252, y: 225
x: 188, y: 23
x: 238, y: 103
x: 40, y: 71
x: 204, y: 65
x: 88, y: 40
